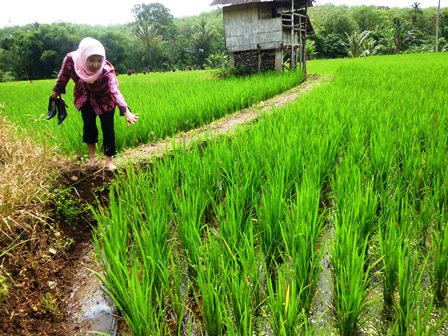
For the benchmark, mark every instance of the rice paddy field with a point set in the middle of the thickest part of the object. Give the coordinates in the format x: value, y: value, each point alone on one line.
x: 167, y: 103
x: 327, y: 217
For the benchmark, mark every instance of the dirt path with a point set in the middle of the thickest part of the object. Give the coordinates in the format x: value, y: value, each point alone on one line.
x: 224, y: 125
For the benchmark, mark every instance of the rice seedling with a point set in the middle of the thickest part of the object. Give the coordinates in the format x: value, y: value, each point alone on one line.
x: 177, y: 291
x: 240, y: 292
x: 211, y: 283
x: 231, y: 217
x: 390, y: 238
x: 356, y: 199
x: 191, y: 206
x: 286, y: 317
x: 132, y: 250
x: 271, y: 215
x: 383, y: 155
x: 251, y: 259
x: 424, y: 322
x: 301, y: 234
x: 350, y: 278
x: 353, y: 221
x: 409, y: 289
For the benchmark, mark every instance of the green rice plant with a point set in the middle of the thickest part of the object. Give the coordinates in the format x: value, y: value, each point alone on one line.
x: 231, y: 216
x: 177, y: 291
x: 424, y: 322
x: 393, y: 230
x: 301, y: 234
x: 409, y: 288
x: 251, y: 259
x: 212, y: 277
x: 425, y: 218
x: 413, y: 311
x: 191, y: 207
x: 383, y: 154
x: 351, y: 277
x: 240, y: 293
x: 271, y: 216
x: 439, y: 256
x: 390, y: 239
x: 286, y: 317
x: 131, y: 242
x: 356, y: 200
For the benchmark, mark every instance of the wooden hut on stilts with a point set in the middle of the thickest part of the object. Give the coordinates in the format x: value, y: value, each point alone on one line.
x: 261, y: 34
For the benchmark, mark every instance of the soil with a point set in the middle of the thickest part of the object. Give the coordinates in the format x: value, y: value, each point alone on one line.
x: 46, y: 272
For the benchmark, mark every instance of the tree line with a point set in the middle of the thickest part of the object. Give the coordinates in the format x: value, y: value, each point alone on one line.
x: 342, y: 31
x: 156, y: 41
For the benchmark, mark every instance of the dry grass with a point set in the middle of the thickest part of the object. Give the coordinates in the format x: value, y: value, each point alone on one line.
x: 26, y: 171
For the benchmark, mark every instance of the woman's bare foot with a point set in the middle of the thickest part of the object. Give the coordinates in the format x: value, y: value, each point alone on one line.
x: 92, y: 162
x: 110, y: 164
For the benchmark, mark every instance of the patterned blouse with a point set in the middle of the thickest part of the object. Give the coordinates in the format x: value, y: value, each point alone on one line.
x: 103, y: 94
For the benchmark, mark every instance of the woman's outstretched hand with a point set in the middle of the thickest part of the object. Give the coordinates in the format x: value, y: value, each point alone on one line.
x: 131, y: 118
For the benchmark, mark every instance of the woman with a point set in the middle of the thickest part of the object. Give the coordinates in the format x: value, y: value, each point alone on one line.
x: 96, y: 93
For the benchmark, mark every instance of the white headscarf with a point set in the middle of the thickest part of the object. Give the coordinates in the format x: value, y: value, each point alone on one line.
x: 88, y: 47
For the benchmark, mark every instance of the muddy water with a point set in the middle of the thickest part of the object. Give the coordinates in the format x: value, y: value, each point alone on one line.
x: 91, y: 310
x: 321, y: 314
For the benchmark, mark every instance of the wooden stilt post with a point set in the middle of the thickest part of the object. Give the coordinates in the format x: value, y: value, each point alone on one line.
x: 300, y: 41
x: 293, y: 65
x: 305, y: 37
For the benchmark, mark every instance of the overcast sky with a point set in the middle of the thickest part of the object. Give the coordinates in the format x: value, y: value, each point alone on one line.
x: 105, y: 12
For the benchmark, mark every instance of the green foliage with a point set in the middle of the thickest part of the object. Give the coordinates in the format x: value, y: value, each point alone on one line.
x: 50, y: 304
x: 392, y: 30
x: 310, y: 49
x: 68, y: 207
x: 360, y: 45
x: 156, y: 15
x: 214, y: 61
x: 333, y: 46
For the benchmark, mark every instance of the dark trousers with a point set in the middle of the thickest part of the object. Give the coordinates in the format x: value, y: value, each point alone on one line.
x: 90, y: 130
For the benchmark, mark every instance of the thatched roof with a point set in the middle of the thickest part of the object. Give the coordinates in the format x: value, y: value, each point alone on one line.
x: 242, y: 2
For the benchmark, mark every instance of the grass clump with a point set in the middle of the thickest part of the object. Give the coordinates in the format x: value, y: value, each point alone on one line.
x: 26, y: 173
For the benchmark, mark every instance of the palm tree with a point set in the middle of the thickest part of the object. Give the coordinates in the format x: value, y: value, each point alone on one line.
x: 151, y: 40
x: 359, y: 43
x: 202, y: 42
x: 415, y: 11
x: 310, y: 49
x: 399, y: 33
